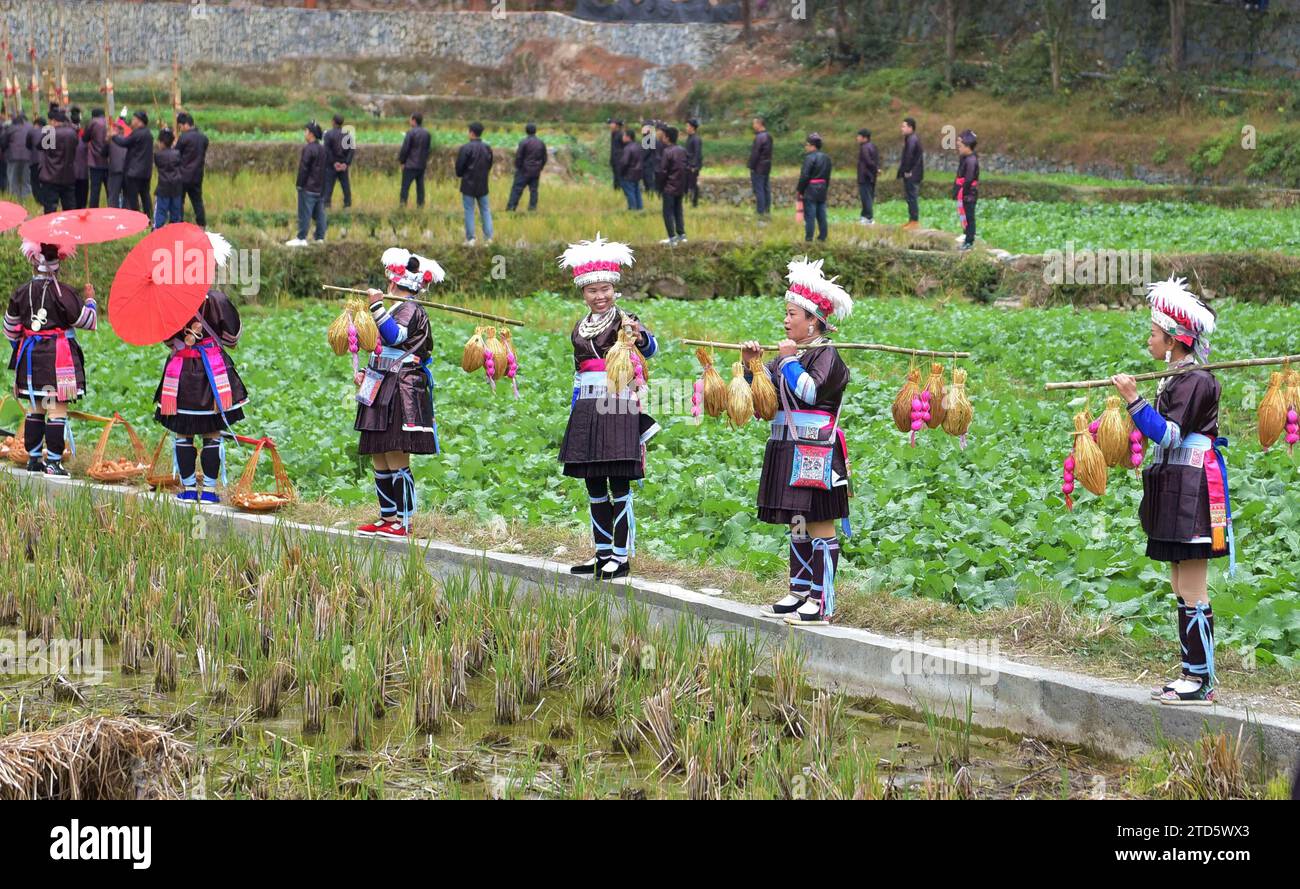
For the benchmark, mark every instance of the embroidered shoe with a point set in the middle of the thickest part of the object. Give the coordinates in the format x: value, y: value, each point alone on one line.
x: 188, y: 496
x: 1159, y: 690
x: 613, y: 570
x: 55, y: 468
x: 393, y: 530
x: 371, y: 528
x: 788, y: 605
x: 587, y: 567
x: 809, y: 614
x: 36, y: 464
x: 209, y: 497
x: 1182, y: 694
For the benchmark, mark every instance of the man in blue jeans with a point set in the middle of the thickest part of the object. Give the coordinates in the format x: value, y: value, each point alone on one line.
x: 629, y: 171
x: 311, y: 184
x: 760, y: 168
x: 473, y: 162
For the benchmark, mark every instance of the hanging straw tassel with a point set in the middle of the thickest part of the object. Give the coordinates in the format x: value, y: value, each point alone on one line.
x: 715, y: 390
x: 740, y: 401
x: 1089, y: 464
x: 471, y: 360
x: 1113, y: 432
x: 367, y: 331
x: 762, y: 391
x: 934, y: 385
x: 619, y: 371
x: 1272, y: 412
x: 957, y: 411
x: 337, y: 334
x: 902, y: 408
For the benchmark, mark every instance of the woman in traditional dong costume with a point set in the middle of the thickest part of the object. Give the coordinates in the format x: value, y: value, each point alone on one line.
x: 805, y: 479
x: 1185, y: 510
x: 604, y: 443
x: 47, y: 360
x: 395, y: 402
x: 200, y: 393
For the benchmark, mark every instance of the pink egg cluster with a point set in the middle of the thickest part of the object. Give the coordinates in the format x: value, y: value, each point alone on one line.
x: 1135, y: 448
x: 512, y: 370
x: 490, y: 368
x: 353, y: 347
x: 697, y: 399
x: 920, y: 413
x: 1067, y: 481
x: 1292, y: 428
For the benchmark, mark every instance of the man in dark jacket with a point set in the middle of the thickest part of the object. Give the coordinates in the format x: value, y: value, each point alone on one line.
x: 966, y: 186
x: 340, y: 149
x: 672, y: 184
x: 139, y: 163
x: 530, y: 157
x: 615, y: 149
x: 760, y: 167
x: 814, y: 185
x: 34, y: 135
x: 192, y: 145
x: 651, y: 148
x: 311, y: 182
x: 95, y: 137
x: 17, y: 160
x: 473, y: 163
x: 629, y: 170
x: 116, y: 170
x: 171, y: 190
x: 58, y: 162
x: 414, y: 158
x: 868, y: 170
x: 81, y: 166
x: 911, y: 169
x: 694, y: 160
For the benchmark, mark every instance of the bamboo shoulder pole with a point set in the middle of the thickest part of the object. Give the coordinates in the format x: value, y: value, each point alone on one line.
x: 870, y: 347
x: 1173, y: 372
x: 433, y: 305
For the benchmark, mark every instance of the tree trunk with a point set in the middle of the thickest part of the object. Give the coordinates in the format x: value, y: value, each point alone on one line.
x: 1177, y: 33
x: 747, y: 21
x: 841, y: 28
x: 949, y: 39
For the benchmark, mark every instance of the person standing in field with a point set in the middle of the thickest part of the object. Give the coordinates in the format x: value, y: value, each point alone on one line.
x: 650, y: 151
x: 473, y: 163
x: 911, y: 169
x: 311, y: 182
x: 965, y: 188
x: 33, y: 140
x: 138, y: 172
x: 201, y: 393
x: 192, y: 143
x: 340, y: 149
x: 414, y: 158
x: 95, y: 137
x: 760, y: 168
x: 530, y: 158
x: 81, y: 164
x: 117, y: 169
x: 1185, y: 510
x: 395, y: 412
x: 694, y: 160
x: 47, y: 361
x: 17, y: 160
x: 58, y: 161
x: 673, y: 174
x: 868, y: 170
x: 629, y: 170
x: 814, y: 186
x: 804, y: 484
x: 170, y: 191
x: 615, y: 150
x: 604, y: 441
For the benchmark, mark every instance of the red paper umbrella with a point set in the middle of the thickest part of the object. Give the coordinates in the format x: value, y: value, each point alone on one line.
x: 11, y: 215
x: 161, y: 284
x: 84, y: 226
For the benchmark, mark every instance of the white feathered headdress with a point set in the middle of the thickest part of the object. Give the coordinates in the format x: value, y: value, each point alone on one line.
x: 813, y: 292
x: 1181, y: 314
x: 35, y: 254
x: 596, y: 261
x: 221, y: 249
x: 410, y: 271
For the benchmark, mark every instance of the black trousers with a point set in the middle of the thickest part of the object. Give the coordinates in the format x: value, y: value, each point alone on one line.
x: 416, y: 176
x: 867, y: 195
x: 517, y: 191
x: 911, y: 191
x: 693, y: 186
x: 80, y: 189
x: 38, y: 189
x: 115, y: 183
x: 342, y: 178
x: 194, y: 192
x: 674, y: 220
x: 135, y: 195
x: 969, y: 207
x: 54, y: 195
x: 98, y: 180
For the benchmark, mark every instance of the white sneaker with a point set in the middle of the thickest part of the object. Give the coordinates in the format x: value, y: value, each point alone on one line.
x: 862, y: 220
x: 469, y: 243
x: 295, y: 242
x: 669, y: 241
x: 871, y: 222
x: 681, y: 239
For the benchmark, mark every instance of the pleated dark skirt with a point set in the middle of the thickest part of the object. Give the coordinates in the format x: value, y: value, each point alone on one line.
x: 780, y: 504
x: 1178, y: 551
x: 605, y: 443
x: 395, y: 438
x: 197, y: 424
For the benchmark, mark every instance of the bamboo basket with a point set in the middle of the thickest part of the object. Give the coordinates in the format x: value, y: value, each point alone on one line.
x: 245, y: 497
x: 17, y: 451
x: 161, y: 473
x: 121, y: 470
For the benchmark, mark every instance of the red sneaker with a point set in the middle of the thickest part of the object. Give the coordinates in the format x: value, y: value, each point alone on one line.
x: 393, y: 529
x: 371, y: 529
